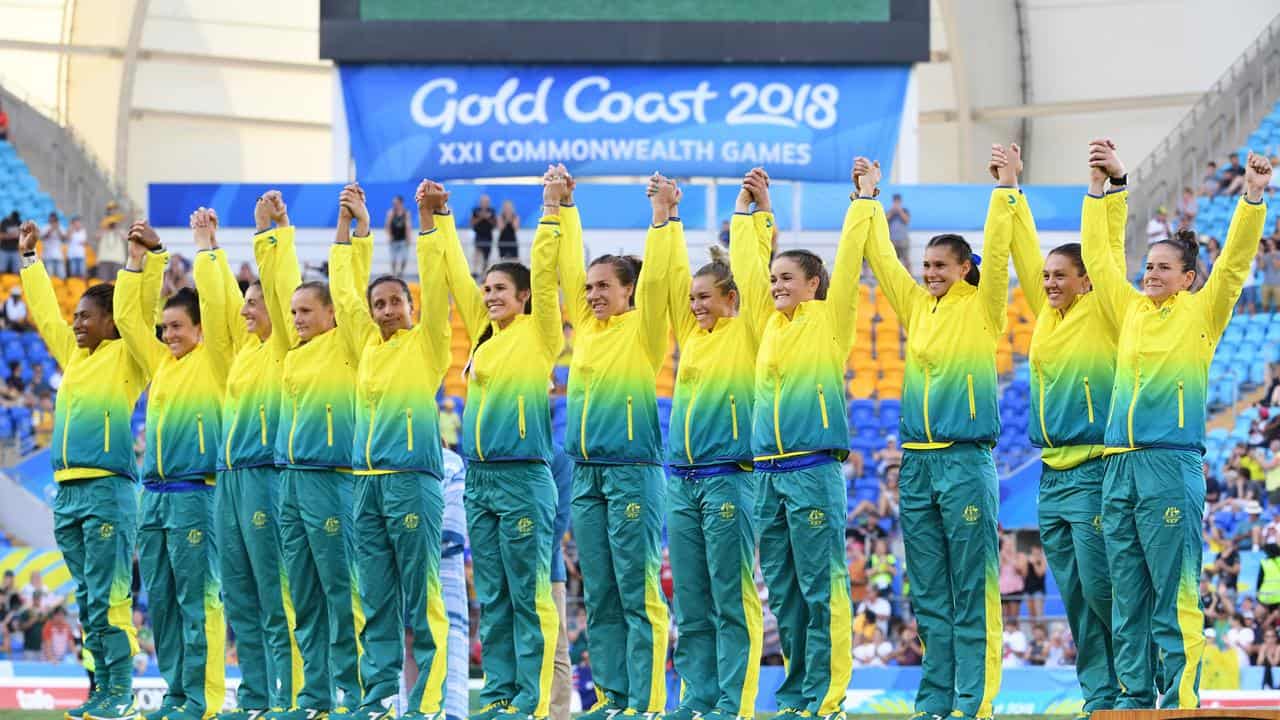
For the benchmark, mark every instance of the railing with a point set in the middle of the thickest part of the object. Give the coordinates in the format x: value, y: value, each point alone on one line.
x: 1217, y: 124
x: 65, y: 167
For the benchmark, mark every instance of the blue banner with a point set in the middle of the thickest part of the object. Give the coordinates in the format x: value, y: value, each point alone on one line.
x: 454, y: 121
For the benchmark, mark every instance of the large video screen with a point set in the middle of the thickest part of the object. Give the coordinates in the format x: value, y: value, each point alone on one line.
x: 625, y: 32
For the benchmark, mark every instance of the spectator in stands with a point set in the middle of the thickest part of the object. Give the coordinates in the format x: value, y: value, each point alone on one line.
x: 58, y: 638
x: 889, y: 455
x: 483, y: 221
x: 15, y: 311
x: 1034, y: 585
x: 8, y: 587
x: 177, y: 276
x: 13, y: 390
x: 1038, y: 649
x: 724, y: 233
x: 900, y: 229
x: 1212, y: 488
x: 909, y: 652
x: 113, y: 247
x: 1270, y: 262
x: 1249, y: 532
x: 4, y: 125
x: 54, y: 239
x: 858, y: 580
x: 77, y: 238
x: 1062, y: 651
x: 882, y: 567
x: 1210, y: 249
x: 1227, y: 566
x: 9, y: 260
x: 1241, y: 637
x: 874, y: 651
x: 1231, y: 181
x: 854, y: 466
x: 39, y: 385
x: 1158, y: 226
x: 1268, y: 581
x: 1220, y: 608
x: 1267, y: 655
x: 1271, y: 474
x: 1013, y: 573
x: 245, y: 276
x: 146, y: 639
x: 508, y: 224
x: 876, y: 610
x: 1187, y: 209
x: 1209, y: 185
x: 31, y: 619
x: 1016, y: 648
x: 398, y: 226
x: 450, y: 424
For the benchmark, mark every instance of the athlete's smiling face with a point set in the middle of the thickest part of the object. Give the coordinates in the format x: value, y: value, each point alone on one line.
x: 1063, y: 281
x: 790, y: 285
x: 606, y: 294
x: 1165, y: 275
x: 501, y: 299
x: 180, y: 332
x: 942, y: 269
x: 709, y: 302
x: 312, y: 316
x: 254, y: 312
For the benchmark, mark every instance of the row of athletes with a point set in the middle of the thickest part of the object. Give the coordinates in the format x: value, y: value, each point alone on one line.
x: 758, y: 429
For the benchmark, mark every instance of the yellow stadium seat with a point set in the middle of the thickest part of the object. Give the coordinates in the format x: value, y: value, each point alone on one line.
x: 892, y: 363
x: 889, y: 388
x: 1004, y: 362
x: 862, y: 386
x: 1022, y: 341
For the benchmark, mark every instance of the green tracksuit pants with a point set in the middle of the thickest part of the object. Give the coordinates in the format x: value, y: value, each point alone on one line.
x: 617, y: 522
x: 1152, y: 511
x: 511, y: 508
x: 94, y: 524
x: 711, y: 536
x: 316, y: 545
x: 257, y: 606
x: 949, y: 500
x: 398, y: 521
x: 800, y: 516
x: 1071, y: 532
x: 179, y: 563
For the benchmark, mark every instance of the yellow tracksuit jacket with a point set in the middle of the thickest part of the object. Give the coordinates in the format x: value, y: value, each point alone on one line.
x: 1162, y: 366
x: 1073, y: 351
x: 507, y: 416
x: 91, y: 429
x: 396, y: 420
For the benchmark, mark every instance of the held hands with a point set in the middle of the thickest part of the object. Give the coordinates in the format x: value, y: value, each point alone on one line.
x: 1257, y: 175
x: 755, y: 186
x: 554, y: 188
x: 431, y: 197
x: 143, y: 234
x: 269, y: 208
x: 866, y: 177
x: 560, y: 172
x: 28, y: 234
x: 203, y: 224
x: 352, y: 200
x: 1006, y: 164
x: 1102, y: 155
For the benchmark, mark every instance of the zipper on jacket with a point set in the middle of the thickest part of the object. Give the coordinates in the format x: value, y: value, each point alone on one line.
x: 408, y: 427
x: 928, y: 433
x: 66, y: 433
x: 688, y: 413
x: 1133, y: 402
x: 777, y: 401
x: 1044, y: 428
x: 200, y: 431
x: 484, y: 394
x: 106, y: 435
x: 582, y: 428
x: 1181, y: 407
x: 368, y: 440
x: 630, y: 428
x: 328, y: 424
x: 293, y: 428
x: 231, y: 433
x: 733, y: 411
x: 822, y: 405
x: 1088, y: 399
x: 262, y: 419
x: 973, y: 409
x: 520, y: 420
x: 160, y: 446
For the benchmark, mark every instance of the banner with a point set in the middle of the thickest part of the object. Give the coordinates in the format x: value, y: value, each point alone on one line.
x: 454, y: 121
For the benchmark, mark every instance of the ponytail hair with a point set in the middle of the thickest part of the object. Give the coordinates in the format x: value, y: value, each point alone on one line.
x: 812, y: 266
x: 625, y: 267
x: 522, y: 280
x: 382, y: 280
x: 719, y: 269
x: 1188, y: 247
x: 962, y: 251
x: 187, y: 300
x: 1071, y: 251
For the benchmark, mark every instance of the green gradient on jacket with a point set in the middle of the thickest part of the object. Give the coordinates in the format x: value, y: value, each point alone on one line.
x: 950, y: 386
x: 799, y: 376
x: 507, y: 415
x: 1162, y: 368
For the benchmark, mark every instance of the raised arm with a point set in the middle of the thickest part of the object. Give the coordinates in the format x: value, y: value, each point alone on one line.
x: 454, y: 272
x: 682, y: 320
x: 542, y: 271
x: 997, y: 233
x: 136, y: 294
x: 1028, y: 261
x: 355, y: 324
x: 436, y: 332
x: 1106, y: 276
x: 572, y: 261
x: 894, y: 279
x: 651, y: 285
x: 1236, y: 261
x: 751, y: 248
x: 211, y: 289
x: 278, y: 270
x: 864, y: 217
x: 42, y: 301
x: 1117, y: 202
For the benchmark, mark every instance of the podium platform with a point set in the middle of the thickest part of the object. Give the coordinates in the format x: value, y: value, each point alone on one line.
x: 1229, y: 713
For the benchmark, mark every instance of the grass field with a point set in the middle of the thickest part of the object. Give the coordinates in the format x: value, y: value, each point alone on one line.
x: 51, y: 715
